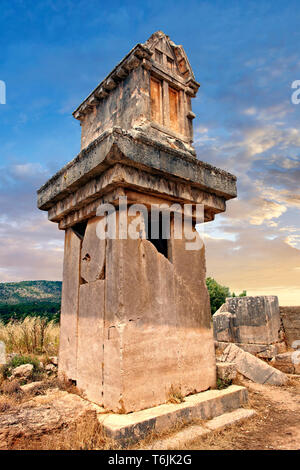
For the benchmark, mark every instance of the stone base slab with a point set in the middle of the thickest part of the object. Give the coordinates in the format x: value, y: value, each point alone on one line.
x: 132, y: 427
x: 227, y: 419
x: 188, y: 435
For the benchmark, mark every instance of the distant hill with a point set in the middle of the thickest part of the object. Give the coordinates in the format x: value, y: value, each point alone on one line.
x: 30, y: 291
x: 30, y: 298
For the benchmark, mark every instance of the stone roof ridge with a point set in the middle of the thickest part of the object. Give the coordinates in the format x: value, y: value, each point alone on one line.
x: 131, y: 61
x: 178, y: 50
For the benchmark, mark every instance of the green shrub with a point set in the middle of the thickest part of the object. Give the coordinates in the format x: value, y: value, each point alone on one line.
x: 19, y: 360
x: 218, y: 294
x: 223, y: 383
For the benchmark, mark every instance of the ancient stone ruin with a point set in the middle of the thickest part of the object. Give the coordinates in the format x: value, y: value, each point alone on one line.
x: 135, y: 315
x: 290, y: 317
x: 245, y: 327
x: 253, y: 323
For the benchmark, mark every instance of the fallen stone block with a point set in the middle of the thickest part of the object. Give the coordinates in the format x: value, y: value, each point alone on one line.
x: 226, y: 370
x: 249, y: 320
x: 252, y: 367
x: 23, y: 371
x: 288, y: 362
x: 33, y: 386
x: 290, y: 317
x: 223, y: 326
x: 265, y: 351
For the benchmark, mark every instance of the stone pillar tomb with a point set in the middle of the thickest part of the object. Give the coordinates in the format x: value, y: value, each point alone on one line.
x: 135, y: 314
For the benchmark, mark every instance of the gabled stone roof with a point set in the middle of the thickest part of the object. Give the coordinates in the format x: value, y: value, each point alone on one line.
x: 161, y: 40
x: 141, y: 54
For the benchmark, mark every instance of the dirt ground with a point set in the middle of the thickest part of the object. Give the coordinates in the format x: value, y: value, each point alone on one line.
x: 276, y: 425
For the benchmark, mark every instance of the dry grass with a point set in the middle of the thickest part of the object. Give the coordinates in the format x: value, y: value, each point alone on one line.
x: 175, y: 395
x: 10, y: 387
x: 66, y: 385
x: 33, y: 335
x: 10, y: 395
x: 86, y: 434
x: 272, y: 428
x: 7, y: 402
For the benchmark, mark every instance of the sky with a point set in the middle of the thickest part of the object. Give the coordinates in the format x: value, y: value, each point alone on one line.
x: 246, y: 56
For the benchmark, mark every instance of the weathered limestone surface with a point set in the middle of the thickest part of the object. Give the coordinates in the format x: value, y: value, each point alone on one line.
x: 226, y: 370
x: 147, y: 313
x: 115, y: 182
x: 159, y: 320
x: 92, y: 253
x: 69, y: 306
x: 288, y: 362
x: 42, y: 414
x: 227, y: 419
x: 186, y: 436
x: 2, y: 353
x: 251, y: 367
x: 135, y: 319
x: 291, y: 322
x: 201, y: 406
x: 223, y: 326
x: 32, y: 386
x: 90, y: 340
x: 134, y: 149
x: 125, y: 106
x: 126, y: 97
x: 265, y: 351
x: 23, y: 371
x: 248, y: 320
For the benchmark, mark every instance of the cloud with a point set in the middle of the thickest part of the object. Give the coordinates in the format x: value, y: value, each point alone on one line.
x: 245, y: 124
x: 30, y: 246
x: 267, y: 210
x: 259, y: 265
x: 30, y: 250
x: 293, y: 240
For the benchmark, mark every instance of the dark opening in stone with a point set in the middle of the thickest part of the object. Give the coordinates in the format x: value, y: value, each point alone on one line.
x: 160, y: 243
x: 79, y: 229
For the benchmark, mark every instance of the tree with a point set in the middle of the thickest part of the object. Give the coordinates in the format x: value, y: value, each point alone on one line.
x: 218, y: 294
